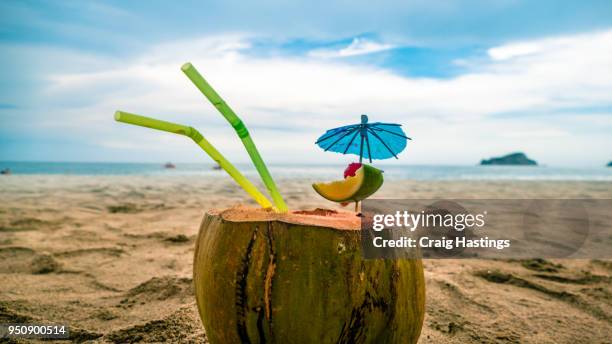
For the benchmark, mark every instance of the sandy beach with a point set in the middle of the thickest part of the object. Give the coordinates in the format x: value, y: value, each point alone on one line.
x: 111, y: 256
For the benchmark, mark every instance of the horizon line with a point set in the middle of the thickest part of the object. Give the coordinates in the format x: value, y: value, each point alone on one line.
x: 161, y: 162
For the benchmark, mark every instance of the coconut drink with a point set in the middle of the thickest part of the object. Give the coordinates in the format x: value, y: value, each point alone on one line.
x: 299, y: 277
x: 272, y: 275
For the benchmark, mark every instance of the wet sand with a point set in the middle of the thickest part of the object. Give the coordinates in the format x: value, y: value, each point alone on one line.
x: 112, y: 257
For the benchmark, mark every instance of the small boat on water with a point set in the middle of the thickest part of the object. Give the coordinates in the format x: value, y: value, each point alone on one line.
x: 217, y: 167
x: 169, y: 165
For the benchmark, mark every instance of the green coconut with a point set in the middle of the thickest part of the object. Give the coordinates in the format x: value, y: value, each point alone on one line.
x: 299, y: 277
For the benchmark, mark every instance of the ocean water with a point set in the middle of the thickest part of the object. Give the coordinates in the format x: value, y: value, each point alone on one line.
x: 318, y: 172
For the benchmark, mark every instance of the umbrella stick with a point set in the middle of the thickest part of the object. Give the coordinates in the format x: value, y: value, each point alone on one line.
x: 361, y: 150
x: 240, y: 129
x: 203, y: 143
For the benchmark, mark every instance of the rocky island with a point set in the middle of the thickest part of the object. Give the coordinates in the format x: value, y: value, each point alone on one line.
x: 510, y: 159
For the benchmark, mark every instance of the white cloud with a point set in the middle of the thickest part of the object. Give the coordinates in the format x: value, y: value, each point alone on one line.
x: 458, y: 120
x: 513, y: 50
x: 359, y: 46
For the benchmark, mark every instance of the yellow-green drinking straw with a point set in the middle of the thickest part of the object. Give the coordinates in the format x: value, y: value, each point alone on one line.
x: 240, y: 129
x: 203, y: 143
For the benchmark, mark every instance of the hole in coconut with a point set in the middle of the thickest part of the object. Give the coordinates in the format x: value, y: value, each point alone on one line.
x: 317, y: 212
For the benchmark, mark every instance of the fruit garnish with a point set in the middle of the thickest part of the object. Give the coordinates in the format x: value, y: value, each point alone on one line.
x: 366, y: 181
x: 351, y: 169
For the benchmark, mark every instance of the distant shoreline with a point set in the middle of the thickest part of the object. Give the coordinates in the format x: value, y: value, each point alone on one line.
x: 314, y: 172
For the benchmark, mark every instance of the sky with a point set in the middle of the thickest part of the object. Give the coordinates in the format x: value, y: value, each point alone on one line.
x: 466, y: 79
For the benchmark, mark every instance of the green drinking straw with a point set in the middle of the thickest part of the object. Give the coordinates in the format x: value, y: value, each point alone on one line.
x: 202, y: 142
x: 241, y: 130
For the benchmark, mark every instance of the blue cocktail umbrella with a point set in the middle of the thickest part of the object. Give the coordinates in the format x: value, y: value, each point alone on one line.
x: 370, y: 140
